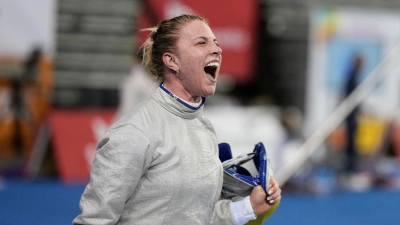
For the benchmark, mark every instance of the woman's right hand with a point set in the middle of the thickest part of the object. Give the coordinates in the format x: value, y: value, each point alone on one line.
x: 261, y: 201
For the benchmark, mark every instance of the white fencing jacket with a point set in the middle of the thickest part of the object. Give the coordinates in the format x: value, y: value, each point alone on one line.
x: 157, y: 165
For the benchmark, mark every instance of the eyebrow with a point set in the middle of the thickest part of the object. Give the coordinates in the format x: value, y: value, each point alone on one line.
x: 206, y: 39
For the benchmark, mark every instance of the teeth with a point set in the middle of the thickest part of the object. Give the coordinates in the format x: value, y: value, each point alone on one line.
x: 215, y: 64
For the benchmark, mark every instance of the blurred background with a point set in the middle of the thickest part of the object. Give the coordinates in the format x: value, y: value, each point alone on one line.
x: 317, y: 81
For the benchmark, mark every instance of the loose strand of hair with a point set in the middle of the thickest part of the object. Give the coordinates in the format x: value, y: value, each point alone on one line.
x: 147, y: 46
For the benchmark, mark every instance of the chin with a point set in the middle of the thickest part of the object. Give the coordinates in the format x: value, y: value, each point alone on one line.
x: 210, y: 92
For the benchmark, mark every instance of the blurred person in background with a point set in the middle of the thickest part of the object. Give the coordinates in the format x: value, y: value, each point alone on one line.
x: 31, y: 100
x: 351, y: 119
x: 351, y: 176
x: 27, y: 78
x: 138, y: 86
x: 159, y: 163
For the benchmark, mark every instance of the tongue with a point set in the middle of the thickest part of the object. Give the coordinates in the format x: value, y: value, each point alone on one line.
x: 210, y: 76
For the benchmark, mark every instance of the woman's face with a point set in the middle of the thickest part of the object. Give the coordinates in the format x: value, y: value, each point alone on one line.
x: 199, y: 59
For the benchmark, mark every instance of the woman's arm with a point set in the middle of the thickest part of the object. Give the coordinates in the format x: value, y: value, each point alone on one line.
x: 117, y: 168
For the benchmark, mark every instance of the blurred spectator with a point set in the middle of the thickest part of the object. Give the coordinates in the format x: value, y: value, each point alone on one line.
x: 136, y: 87
x: 351, y: 119
x: 30, y: 100
x: 291, y: 119
x: 353, y: 177
x: 27, y: 78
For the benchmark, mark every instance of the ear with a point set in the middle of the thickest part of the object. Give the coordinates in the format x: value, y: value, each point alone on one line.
x: 169, y: 61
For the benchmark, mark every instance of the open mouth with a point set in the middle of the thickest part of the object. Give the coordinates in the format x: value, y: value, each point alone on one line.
x: 211, y: 69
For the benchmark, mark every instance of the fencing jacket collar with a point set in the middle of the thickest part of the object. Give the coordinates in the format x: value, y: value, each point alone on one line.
x: 175, y: 105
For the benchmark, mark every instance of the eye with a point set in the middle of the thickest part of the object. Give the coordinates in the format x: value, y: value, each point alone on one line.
x: 201, y: 43
x: 216, y: 43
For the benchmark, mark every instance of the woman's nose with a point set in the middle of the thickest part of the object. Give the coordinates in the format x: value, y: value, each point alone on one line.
x: 216, y: 50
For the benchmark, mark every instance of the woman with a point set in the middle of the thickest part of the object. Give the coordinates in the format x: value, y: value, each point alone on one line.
x: 159, y: 163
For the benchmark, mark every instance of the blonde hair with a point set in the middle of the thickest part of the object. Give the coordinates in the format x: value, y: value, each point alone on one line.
x: 162, y: 39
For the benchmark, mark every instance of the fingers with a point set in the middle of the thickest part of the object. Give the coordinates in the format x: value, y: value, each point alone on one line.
x: 272, y: 181
x: 274, y: 192
x: 274, y: 197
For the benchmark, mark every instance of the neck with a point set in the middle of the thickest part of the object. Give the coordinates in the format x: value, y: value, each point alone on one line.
x: 177, y: 89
